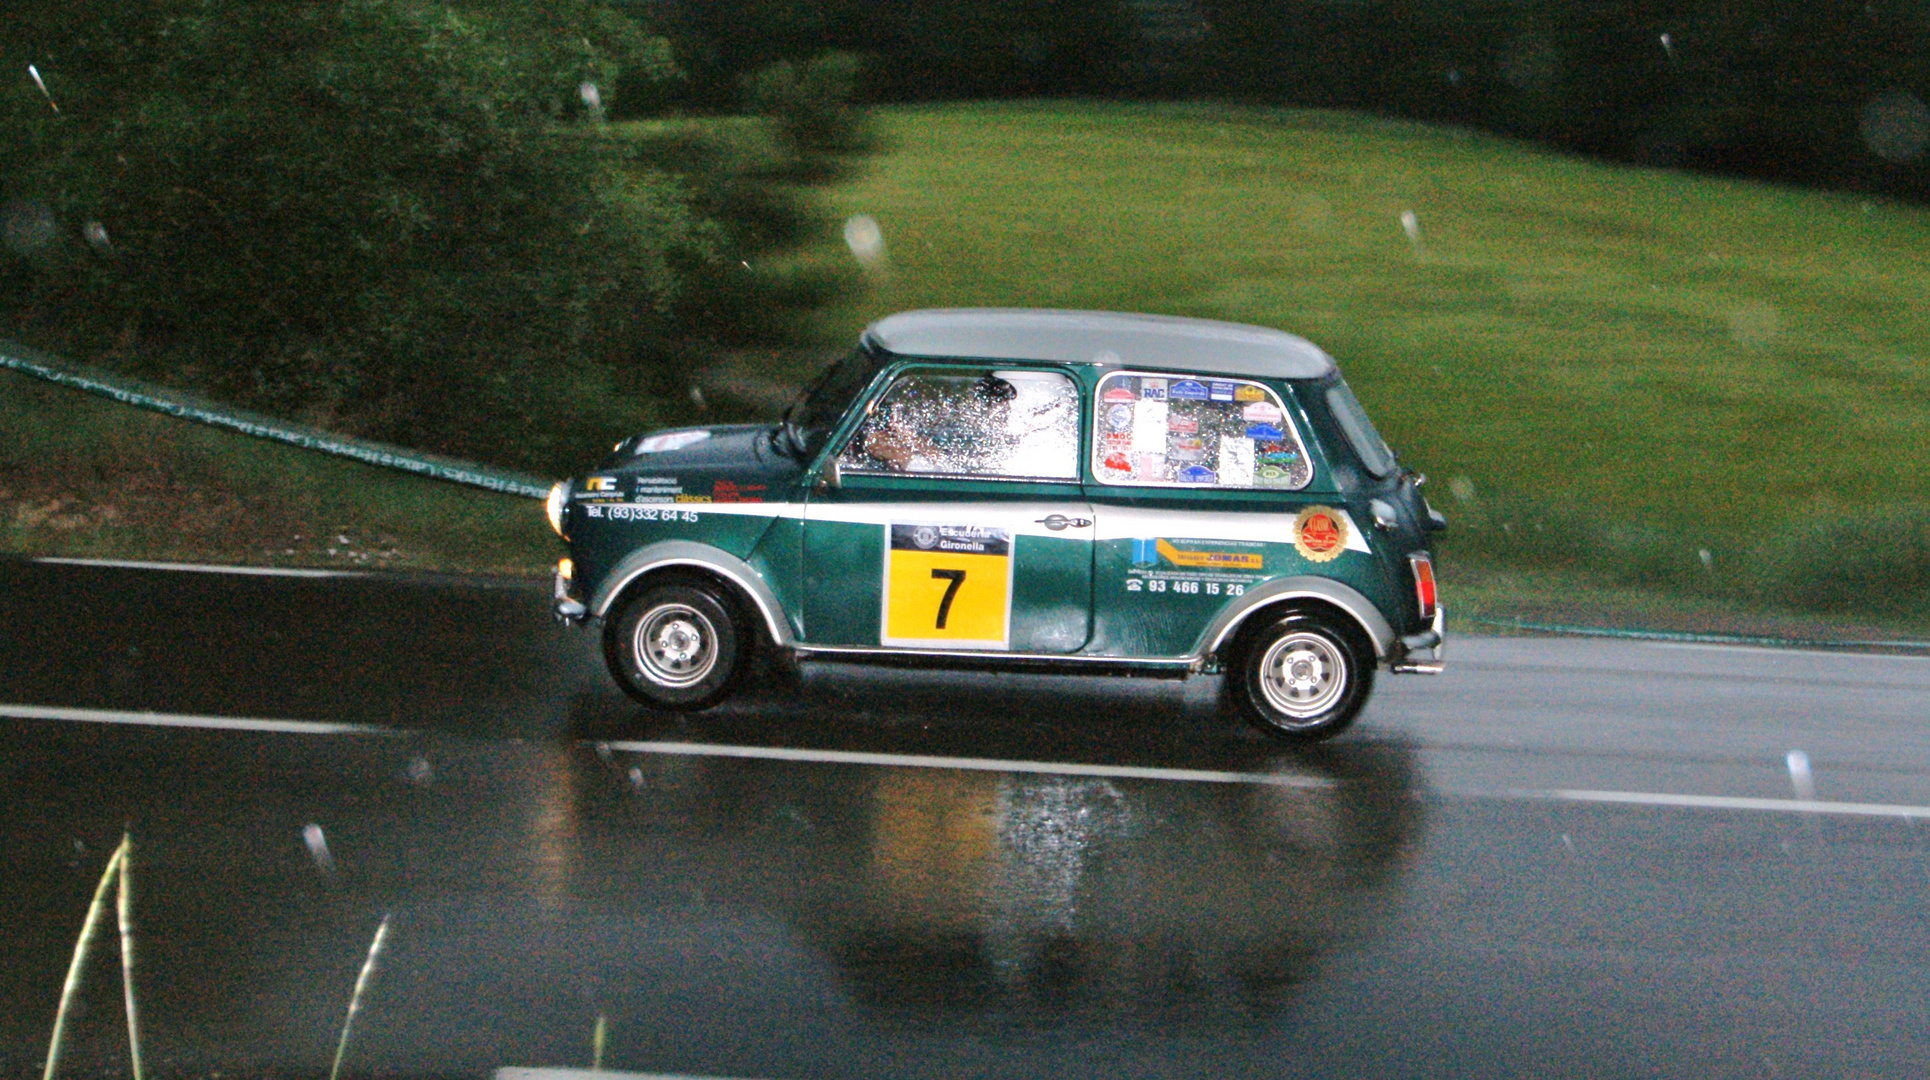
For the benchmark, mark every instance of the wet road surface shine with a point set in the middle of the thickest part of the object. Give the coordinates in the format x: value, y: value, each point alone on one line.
x: 852, y: 881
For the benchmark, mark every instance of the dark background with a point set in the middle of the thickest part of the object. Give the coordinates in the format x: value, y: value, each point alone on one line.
x: 1822, y: 94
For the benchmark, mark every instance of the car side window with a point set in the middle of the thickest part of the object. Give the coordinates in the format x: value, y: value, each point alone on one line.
x: 1186, y: 431
x: 996, y: 424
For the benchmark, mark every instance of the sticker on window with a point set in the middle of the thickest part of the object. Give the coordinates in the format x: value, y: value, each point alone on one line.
x: 1195, y: 433
x: 947, y: 586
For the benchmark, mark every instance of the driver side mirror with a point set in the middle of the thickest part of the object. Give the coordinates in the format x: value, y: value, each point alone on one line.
x: 832, y: 477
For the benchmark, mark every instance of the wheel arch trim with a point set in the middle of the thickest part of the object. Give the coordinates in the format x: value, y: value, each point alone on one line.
x: 1337, y: 594
x: 673, y: 553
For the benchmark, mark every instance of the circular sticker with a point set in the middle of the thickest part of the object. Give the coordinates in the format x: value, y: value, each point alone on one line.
x: 1119, y: 417
x: 1320, y: 534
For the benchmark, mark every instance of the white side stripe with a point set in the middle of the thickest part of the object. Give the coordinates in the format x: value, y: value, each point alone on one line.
x: 922, y: 761
x: 1024, y: 519
x: 216, y: 723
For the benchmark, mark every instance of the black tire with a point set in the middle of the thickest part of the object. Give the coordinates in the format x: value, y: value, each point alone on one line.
x: 676, y: 645
x: 1302, y: 676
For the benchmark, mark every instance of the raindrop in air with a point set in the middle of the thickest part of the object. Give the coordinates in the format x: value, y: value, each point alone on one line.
x: 28, y: 225
x: 866, y: 240
x: 317, y: 844
x: 1800, y: 777
x: 34, y: 73
x: 1895, y: 125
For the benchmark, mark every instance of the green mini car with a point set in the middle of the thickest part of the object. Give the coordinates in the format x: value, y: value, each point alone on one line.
x: 1069, y: 491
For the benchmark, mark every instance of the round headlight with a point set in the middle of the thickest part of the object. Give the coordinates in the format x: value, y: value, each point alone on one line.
x: 559, y: 494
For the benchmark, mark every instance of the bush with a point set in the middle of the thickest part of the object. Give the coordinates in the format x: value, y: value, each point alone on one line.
x: 808, y: 107
x: 392, y: 216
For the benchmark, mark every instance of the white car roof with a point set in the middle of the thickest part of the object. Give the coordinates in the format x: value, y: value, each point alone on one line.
x: 1100, y: 337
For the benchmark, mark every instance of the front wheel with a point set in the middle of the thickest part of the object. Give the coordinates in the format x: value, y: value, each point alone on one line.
x: 1302, y: 676
x: 675, y: 645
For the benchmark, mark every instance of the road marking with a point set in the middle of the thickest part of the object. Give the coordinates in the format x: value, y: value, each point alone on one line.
x: 204, y: 568
x: 923, y: 761
x: 1727, y: 802
x: 217, y: 723
x: 512, y: 1073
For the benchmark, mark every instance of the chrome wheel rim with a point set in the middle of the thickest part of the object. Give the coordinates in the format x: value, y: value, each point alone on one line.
x: 675, y: 645
x: 1303, y: 676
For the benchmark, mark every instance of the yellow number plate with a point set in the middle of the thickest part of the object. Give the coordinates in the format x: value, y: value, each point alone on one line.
x: 948, y: 586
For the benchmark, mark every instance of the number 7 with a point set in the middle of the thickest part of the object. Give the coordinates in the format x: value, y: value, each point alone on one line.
x: 957, y: 578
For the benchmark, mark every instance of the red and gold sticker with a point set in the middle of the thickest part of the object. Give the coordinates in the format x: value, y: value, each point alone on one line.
x: 1320, y: 534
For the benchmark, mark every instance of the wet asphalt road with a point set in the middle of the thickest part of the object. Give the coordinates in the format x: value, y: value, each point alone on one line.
x: 1442, y: 892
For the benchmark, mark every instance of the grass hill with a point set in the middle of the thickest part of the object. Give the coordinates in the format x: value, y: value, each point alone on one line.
x: 1601, y: 368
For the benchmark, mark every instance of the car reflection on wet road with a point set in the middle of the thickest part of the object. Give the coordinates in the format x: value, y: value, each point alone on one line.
x: 875, y: 874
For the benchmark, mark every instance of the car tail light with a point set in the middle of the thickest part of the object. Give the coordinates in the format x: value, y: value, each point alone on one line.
x: 1423, y: 583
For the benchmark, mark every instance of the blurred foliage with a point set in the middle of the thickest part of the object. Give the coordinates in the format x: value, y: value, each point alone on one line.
x: 809, y: 108
x: 919, y: 50
x: 402, y: 218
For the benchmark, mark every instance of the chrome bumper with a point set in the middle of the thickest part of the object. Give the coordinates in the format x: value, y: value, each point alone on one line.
x: 1423, y: 653
x: 567, y: 609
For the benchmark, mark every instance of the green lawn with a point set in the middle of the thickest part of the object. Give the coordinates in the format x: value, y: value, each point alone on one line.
x: 1610, y: 367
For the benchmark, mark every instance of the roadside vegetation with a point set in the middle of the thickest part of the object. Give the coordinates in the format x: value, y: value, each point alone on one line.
x: 1638, y: 394
x: 407, y: 220
x: 85, y: 477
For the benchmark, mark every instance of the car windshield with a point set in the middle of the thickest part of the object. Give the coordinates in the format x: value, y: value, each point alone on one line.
x: 809, y: 422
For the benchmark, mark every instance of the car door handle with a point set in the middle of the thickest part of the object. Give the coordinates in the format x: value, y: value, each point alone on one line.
x: 1055, y: 522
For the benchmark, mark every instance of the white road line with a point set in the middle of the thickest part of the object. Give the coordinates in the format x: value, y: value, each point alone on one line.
x: 1727, y: 802
x: 216, y: 723
x: 205, y: 568
x: 513, y: 1073
x: 922, y: 761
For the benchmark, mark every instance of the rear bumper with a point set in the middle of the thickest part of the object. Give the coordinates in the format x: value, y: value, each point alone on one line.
x: 1423, y: 653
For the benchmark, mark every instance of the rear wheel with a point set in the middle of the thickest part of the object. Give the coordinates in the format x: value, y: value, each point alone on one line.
x: 677, y: 645
x: 1302, y: 676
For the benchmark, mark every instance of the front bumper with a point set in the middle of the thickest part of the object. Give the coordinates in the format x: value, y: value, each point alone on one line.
x: 568, y: 609
x: 1424, y: 653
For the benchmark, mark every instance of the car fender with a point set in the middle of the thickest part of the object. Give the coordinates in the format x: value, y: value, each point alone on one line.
x: 669, y: 553
x: 1344, y: 597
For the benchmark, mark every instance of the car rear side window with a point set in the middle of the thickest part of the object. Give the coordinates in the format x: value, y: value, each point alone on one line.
x: 1186, y: 431
x: 1021, y: 425
x: 1375, y: 457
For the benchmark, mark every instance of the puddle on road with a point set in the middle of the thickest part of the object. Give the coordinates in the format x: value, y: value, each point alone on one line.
x: 726, y: 916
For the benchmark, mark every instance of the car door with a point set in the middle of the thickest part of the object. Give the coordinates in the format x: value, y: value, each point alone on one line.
x: 1203, y: 488
x: 956, y: 519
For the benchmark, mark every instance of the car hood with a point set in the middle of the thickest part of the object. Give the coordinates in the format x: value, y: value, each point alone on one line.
x: 721, y: 463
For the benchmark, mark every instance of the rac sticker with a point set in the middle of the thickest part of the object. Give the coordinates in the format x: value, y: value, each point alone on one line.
x: 1319, y: 534
x: 947, y: 586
